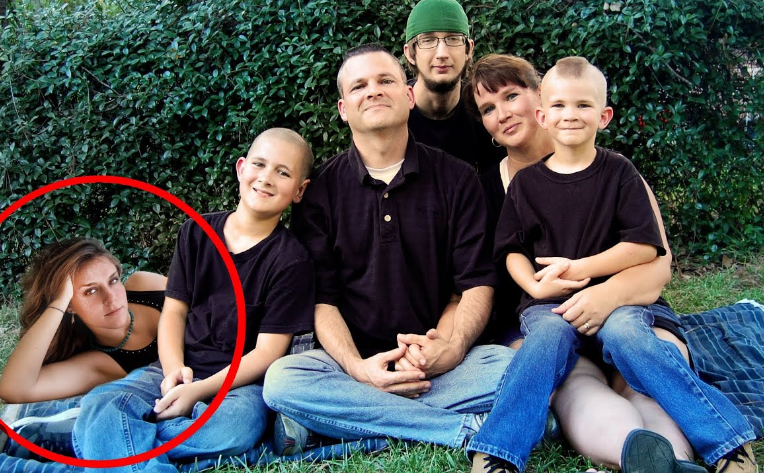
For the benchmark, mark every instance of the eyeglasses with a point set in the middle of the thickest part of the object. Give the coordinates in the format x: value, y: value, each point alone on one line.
x: 430, y: 42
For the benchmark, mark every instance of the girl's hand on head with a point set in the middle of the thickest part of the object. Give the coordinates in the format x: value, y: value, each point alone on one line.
x: 66, y: 292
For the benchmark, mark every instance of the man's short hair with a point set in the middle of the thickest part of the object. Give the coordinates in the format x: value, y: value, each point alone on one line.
x: 573, y: 66
x: 360, y: 51
x: 494, y: 71
x: 578, y: 67
x: 293, y: 138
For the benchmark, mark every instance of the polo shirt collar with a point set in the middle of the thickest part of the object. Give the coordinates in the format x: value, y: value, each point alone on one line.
x: 410, y: 162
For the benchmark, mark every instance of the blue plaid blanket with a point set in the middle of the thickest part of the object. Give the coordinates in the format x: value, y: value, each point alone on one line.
x: 727, y: 346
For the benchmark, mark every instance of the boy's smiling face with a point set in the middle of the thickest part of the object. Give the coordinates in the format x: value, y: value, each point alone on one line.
x: 574, y: 108
x: 270, y: 177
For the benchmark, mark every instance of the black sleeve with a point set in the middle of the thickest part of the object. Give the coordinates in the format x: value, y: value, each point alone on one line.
x: 311, y: 224
x: 178, y: 278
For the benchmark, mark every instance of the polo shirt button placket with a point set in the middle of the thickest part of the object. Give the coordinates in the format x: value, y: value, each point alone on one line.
x: 388, y: 228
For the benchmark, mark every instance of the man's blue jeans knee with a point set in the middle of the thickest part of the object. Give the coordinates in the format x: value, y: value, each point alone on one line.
x: 313, y: 389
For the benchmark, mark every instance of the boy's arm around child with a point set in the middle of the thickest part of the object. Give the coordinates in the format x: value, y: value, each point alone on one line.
x: 554, y: 276
x: 638, y: 285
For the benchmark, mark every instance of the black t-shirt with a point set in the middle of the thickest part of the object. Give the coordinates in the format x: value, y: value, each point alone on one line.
x: 575, y: 215
x: 390, y: 256
x: 276, y: 276
x: 459, y: 135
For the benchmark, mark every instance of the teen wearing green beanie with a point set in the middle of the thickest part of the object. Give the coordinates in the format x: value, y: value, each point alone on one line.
x: 437, y: 15
x: 438, y: 50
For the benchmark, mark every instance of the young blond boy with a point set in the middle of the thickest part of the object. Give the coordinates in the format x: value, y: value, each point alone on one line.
x: 588, y: 206
x: 197, y: 329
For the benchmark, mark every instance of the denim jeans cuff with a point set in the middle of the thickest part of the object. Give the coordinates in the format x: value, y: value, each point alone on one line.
x: 714, y: 457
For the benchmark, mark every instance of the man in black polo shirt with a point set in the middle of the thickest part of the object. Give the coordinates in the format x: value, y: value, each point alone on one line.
x: 395, y: 229
x: 439, y: 51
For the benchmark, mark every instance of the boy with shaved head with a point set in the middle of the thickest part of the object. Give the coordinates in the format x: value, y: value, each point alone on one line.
x: 588, y: 205
x: 197, y: 329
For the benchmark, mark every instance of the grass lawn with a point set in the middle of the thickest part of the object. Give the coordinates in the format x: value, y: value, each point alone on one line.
x: 686, y: 293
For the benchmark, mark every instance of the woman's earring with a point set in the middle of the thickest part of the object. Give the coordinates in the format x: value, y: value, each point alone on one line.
x: 72, y: 319
x: 495, y: 143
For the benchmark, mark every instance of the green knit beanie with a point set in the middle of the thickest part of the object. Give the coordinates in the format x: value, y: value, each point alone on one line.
x: 437, y: 15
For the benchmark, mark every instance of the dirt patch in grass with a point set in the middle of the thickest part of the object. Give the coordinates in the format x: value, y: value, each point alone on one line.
x: 750, y: 269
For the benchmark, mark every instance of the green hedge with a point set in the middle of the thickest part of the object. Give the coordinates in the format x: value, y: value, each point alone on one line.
x: 173, y: 92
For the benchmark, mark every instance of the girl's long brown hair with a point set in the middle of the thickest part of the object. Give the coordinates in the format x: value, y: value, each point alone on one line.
x: 41, y: 283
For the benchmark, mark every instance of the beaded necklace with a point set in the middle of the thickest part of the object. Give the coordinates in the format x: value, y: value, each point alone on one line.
x: 97, y: 347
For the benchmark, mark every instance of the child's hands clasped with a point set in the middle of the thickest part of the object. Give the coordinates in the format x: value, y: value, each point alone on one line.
x: 570, y: 269
x: 549, y: 283
x: 178, y: 394
x: 182, y: 375
x: 179, y: 401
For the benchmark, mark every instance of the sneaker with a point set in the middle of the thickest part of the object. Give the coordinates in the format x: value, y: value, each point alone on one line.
x: 646, y: 451
x: 739, y: 459
x: 290, y: 437
x: 552, y: 430
x: 9, y: 416
x: 53, y: 433
x: 475, y: 422
x: 486, y: 463
x: 70, y: 414
x: 480, y: 419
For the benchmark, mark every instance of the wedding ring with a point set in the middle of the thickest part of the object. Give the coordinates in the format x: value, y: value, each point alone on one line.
x: 586, y: 325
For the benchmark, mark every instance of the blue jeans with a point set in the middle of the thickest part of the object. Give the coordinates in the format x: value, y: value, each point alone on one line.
x: 650, y: 365
x: 12, y: 461
x: 315, y: 391
x: 114, y: 423
x: 16, y: 464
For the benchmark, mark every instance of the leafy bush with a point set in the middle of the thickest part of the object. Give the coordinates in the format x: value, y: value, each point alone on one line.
x: 687, y: 100
x: 172, y: 93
